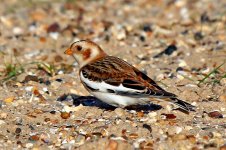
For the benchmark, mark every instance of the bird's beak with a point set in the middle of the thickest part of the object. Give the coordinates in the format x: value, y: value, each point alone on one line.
x: 68, y: 51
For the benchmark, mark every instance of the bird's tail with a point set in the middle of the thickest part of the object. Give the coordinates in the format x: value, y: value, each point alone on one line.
x: 182, y: 104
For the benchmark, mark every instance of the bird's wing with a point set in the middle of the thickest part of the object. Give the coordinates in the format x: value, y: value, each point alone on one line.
x: 114, y: 75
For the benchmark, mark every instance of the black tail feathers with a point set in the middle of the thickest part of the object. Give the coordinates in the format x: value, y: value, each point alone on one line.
x: 183, y: 105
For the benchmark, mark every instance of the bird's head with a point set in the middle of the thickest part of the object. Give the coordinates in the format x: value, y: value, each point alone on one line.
x: 85, y: 51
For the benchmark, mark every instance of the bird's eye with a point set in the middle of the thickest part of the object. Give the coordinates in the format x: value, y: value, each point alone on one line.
x: 79, y: 48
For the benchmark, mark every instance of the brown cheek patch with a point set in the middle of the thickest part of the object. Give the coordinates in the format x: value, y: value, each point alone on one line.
x: 86, y: 54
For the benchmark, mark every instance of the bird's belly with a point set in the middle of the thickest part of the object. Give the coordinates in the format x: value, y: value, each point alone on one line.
x: 118, y: 100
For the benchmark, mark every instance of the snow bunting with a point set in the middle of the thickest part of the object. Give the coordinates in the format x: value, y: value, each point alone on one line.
x: 116, y: 82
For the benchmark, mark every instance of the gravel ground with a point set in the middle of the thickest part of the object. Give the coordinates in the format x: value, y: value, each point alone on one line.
x: 179, y: 43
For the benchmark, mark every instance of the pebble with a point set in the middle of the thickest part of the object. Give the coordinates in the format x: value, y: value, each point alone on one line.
x: 73, y: 108
x: 133, y: 135
x: 9, y: 99
x: 215, y: 114
x: 44, y: 138
x: 223, y: 147
x: 182, y: 63
x: 217, y: 135
x: 147, y: 28
x: 169, y: 116
x: 29, y: 145
x: 148, y: 127
x: 34, y: 138
x: 223, y: 81
x: 160, y: 77
x: 120, y: 112
x: 30, y: 78
x: 3, y: 115
x: 140, y: 114
x: 65, y: 115
x: 29, y: 88
x: 152, y: 114
x: 179, y: 77
x: 174, y: 130
x: 17, y: 31
x: 136, y: 143
x: 112, y: 145
x: 54, y: 35
x: 55, y: 27
x: 191, y: 85
x: 222, y: 98
x: 170, y: 49
x: 80, y: 139
x: 188, y: 128
x: 18, y: 130
x: 2, y: 122
x: 198, y: 36
x: 119, y: 32
x: 179, y: 137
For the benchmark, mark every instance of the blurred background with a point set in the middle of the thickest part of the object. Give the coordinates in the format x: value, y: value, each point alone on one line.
x: 179, y: 43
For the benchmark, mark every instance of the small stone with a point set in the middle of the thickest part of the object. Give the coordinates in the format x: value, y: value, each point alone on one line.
x: 17, y: 31
x: 34, y: 138
x: 18, y: 130
x: 133, y: 136
x: 140, y: 114
x: 54, y: 35
x: 9, y: 99
x: 191, y: 138
x: 174, y: 130
x: 148, y: 127
x: 182, y: 63
x: 142, y: 38
x: 215, y: 114
x: 113, y: 145
x: 65, y: 115
x: 29, y: 88
x: 147, y: 28
x: 169, y: 116
x: 120, y: 112
x: 47, y: 119
x: 223, y: 81
x: 29, y: 145
x: 59, y: 80
x: 63, y: 97
x: 204, y: 18
x: 170, y: 49
x: 44, y: 138
x: 36, y: 148
x: 30, y: 78
x: 160, y: 77
x: 73, y: 108
x: 58, y: 58
x: 198, y: 36
x: 2, y: 122
x: 121, y: 35
x: 188, y: 128
x: 53, y: 28
x: 216, y: 134
x: 179, y: 69
x: 223, y: 147
x: 222, y: 98
x: 3, y: 115
x: 178, y: 137
x: 152, y: 114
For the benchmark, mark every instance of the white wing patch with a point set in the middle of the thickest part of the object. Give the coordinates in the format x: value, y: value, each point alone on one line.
x: 102, y: 86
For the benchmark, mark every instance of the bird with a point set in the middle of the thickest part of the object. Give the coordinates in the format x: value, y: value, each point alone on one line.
x: 115, y: 81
